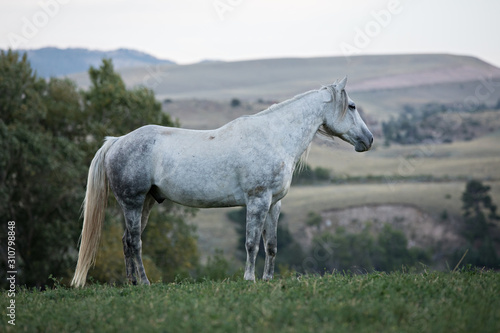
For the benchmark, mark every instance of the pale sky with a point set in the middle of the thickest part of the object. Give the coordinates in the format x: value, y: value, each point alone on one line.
x: 191, y: 30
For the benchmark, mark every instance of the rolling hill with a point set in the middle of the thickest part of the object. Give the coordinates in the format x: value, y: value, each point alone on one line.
x: 382, y: 83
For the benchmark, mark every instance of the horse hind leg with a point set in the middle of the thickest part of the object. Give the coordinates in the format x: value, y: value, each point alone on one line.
x: 135, y: 222
x: 130, y: 266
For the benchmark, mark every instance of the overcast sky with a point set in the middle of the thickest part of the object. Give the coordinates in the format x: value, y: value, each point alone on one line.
x: 191, y: 30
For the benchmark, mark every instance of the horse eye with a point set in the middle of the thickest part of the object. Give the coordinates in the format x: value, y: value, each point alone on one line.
x: 352, y: 106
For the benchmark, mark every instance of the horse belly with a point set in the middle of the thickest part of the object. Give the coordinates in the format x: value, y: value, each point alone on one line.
x: 200, y: 187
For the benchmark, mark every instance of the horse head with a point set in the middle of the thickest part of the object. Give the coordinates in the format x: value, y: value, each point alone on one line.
x: 342, y: 119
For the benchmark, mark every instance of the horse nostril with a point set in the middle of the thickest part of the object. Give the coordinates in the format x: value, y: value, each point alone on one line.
x: 371, y: 140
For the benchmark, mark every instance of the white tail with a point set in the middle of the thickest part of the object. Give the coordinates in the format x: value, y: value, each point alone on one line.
x: 93, y: 214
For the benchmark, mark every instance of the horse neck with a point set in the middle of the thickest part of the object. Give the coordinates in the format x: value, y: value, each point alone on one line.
x: 297, y: 121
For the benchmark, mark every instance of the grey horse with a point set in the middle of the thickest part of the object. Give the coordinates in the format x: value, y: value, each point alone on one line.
x: 247, y: 162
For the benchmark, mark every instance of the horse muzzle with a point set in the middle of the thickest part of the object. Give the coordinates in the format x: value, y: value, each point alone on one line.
x: 363, y: 143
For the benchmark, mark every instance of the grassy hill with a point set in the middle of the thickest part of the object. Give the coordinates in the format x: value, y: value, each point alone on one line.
x: 429, y: 302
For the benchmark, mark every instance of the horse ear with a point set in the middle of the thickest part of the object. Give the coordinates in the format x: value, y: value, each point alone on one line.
x: 341, y: 84
x: 326, y: 94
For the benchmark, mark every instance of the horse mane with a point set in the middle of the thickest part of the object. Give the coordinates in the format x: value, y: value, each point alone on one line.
x: 343, y: 101
x: 280, y: 105
x: 323, y: 130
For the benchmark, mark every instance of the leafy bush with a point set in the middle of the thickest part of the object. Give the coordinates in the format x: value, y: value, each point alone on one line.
x: 235, y: 103
x: 216, y: 268
x: 313, y: 219
x: 363, y: 252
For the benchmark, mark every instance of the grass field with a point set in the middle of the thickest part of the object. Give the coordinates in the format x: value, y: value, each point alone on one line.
x: 399, y: 302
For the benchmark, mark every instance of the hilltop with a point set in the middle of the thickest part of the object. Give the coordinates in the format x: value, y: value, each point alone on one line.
x: 51, y: 61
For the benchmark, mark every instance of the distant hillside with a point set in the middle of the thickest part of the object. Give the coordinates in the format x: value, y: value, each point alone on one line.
x: 382, y: 84
x: 51, y: 61
x: 283, y: 78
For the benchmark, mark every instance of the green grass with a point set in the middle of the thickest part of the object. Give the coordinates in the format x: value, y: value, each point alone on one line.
x: 398, y: 302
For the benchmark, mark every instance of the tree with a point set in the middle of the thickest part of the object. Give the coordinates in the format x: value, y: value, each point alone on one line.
x: 479, y: 212
x: 40, y: 174
x: 394, y: 252
x: 110, y: 109
x: 475, y: 199
x: 235, y: 103
x: 478, y: 208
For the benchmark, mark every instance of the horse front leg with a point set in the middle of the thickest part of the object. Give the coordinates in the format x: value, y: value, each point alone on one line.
x: 257, y: 209
x: 270, y: 237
